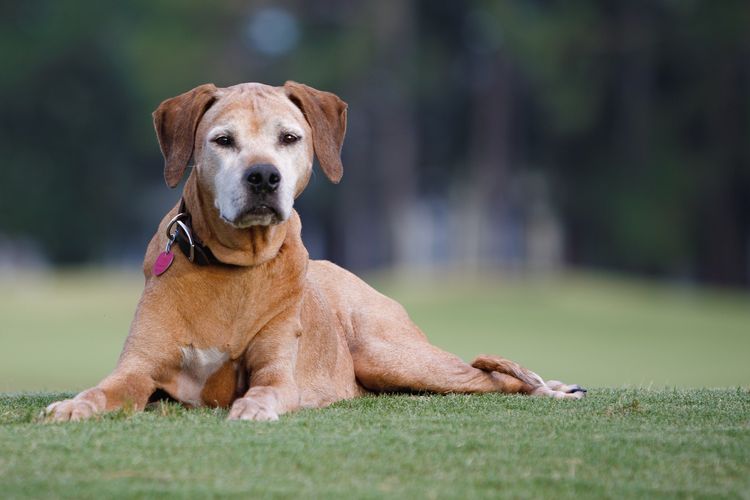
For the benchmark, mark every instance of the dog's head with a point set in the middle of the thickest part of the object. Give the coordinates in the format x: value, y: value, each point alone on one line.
x: 252, y: 145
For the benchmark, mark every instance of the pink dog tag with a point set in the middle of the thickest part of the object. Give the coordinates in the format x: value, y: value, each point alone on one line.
x: 163, y: 261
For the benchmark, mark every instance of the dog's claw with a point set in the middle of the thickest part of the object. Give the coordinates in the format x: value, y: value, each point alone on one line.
x: 562, y: 390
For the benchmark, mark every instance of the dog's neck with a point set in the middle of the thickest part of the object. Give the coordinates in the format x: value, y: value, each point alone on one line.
x: 241, y: 247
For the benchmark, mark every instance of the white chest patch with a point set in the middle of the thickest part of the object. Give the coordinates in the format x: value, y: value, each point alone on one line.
x: 197, y: 366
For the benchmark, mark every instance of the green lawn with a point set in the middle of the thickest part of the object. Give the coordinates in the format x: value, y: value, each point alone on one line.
x: 616, y: 443
x: 64, y: 331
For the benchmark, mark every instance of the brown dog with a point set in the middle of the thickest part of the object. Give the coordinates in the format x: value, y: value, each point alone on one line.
x: 239, y: 315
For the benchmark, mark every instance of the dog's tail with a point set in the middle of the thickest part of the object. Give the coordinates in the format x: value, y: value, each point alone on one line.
x: 490, y: 363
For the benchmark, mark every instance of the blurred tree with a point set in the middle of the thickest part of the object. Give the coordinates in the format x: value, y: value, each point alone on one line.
x: 644, y: 120
x: 81, y: 81
x: 635, y: 113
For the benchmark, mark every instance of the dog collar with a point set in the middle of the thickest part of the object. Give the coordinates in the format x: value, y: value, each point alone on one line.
x: 180, y: 231
x: 192, y: 247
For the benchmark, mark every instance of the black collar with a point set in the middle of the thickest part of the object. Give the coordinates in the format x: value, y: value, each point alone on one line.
x: 189, y: 243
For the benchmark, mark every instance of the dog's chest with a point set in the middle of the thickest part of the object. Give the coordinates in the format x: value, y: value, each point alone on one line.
x: 206, y: 377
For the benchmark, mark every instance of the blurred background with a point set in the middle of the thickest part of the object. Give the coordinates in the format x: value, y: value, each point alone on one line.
x: 566, y: 183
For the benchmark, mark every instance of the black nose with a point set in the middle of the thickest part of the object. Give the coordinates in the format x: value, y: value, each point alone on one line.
x: 263, y: 178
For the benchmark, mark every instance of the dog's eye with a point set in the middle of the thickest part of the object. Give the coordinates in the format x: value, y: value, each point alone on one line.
x: 224, y: 140
x: 288, y: 138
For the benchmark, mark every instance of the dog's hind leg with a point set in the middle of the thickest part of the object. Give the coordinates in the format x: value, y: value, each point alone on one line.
x: 391, y: 353
x: 423, y: 367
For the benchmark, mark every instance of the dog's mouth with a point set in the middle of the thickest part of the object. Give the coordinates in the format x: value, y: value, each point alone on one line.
x: 261, y: 211
x: 257, y: 215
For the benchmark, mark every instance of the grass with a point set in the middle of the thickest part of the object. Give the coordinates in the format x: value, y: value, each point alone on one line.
x: 615, y: 443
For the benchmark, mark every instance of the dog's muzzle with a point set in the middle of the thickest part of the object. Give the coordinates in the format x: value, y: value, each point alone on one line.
x: 262, y: 182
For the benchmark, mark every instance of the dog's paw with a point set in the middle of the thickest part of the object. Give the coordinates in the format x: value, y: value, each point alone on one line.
x: 556, y: 385
x: 559, y: 390
x: 250, y: 409
x: 69, y: 410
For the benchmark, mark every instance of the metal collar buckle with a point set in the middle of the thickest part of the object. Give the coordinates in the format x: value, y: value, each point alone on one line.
x: 172, y: 236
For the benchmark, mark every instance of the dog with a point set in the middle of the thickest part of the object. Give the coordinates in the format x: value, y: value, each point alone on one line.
x: 234, y: 314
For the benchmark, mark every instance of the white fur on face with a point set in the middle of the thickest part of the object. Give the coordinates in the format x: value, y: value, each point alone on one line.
x: 255, y: 130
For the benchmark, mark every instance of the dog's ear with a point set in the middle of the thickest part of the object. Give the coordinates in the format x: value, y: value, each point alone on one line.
x: 326, y: 114
x: 176, y: 121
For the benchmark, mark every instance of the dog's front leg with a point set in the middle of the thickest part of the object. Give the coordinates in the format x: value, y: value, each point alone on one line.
x: 271, y: 360
x: 149, y: 355
x: 128, y: 386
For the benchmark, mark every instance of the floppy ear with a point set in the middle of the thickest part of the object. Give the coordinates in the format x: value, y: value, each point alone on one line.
x: 326, y: 114
x: 176, y: 121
